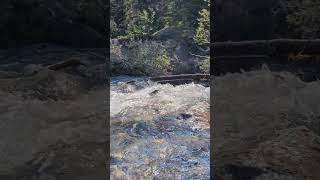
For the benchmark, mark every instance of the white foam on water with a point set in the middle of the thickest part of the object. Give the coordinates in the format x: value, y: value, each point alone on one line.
x: 159, y: 131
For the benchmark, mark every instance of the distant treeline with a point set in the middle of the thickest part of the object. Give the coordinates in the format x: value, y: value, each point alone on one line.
x: 142, y: 18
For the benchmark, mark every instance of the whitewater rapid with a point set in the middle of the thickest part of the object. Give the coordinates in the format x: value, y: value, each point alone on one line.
x: 159, y: 131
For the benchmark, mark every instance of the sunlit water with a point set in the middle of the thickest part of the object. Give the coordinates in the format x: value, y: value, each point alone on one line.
x: 159, y: 131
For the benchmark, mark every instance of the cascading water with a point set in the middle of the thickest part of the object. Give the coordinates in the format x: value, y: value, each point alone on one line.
x: 159, y: 131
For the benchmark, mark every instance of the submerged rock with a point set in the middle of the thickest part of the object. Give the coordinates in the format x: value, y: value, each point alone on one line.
x: 154, y: 92
x: 184, y: 116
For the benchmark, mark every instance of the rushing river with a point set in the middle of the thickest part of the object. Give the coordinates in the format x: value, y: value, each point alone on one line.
x: 159, y: 131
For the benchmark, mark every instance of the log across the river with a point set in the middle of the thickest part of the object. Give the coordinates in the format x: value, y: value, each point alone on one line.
x: 183, y: 79
x: 267, y: 47
x: 195, y: 77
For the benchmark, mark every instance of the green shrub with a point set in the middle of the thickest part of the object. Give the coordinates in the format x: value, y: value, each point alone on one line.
x: 203, y: 30
x: 204, y: 65
x: 150, y: 58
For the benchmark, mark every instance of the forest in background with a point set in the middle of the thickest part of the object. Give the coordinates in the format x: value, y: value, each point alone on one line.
x: 183, y: 28
x: 167, y: 36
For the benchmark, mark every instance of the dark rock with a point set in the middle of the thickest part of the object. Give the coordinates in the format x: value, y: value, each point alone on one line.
x: 154, y: 92
x: 184, y: 116
x: 141, y: 129
x: 132, y: 82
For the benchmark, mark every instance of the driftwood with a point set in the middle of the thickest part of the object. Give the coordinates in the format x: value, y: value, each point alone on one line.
x: 267, y: 47
x: 65, y: 64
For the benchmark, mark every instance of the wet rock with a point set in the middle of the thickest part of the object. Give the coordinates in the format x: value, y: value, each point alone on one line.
x: 132, y: 82
x: 184, y: 116
x: 169, y: 126
x: 154, y: 92
x: 138, y: 129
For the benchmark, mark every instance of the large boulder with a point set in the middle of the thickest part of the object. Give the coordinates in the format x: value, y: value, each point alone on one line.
x: 167, y: 33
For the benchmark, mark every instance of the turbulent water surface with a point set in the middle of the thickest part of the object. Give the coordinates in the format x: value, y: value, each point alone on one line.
x: 159, y: 131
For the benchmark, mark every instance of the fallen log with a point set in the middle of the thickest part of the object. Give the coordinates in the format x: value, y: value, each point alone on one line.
x: 204, y: 82
x: 176, y: 81
x: 267, y: 47
x: 181, y: 76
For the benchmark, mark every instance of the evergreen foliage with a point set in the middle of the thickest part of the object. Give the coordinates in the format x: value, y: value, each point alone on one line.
x: 187, y: 22
x: 138, y: 18
x: 304, y: 17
